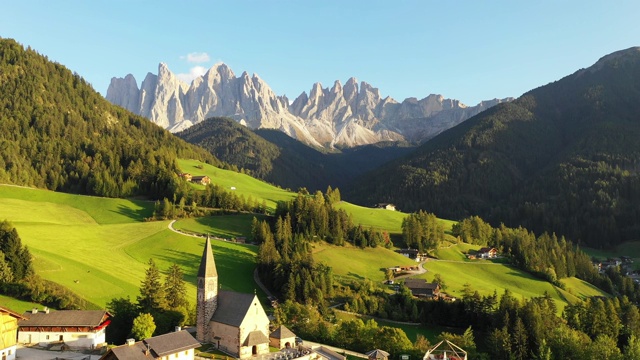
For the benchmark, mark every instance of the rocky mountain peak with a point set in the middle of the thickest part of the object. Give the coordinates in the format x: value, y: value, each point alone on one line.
x: 349, y: 115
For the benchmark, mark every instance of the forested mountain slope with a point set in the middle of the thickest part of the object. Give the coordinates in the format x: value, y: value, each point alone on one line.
x: 563, y: 157
x: 279, y: 159
x: 60, y: 134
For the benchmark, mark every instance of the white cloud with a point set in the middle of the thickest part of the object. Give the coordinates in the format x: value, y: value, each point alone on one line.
x: 196, y: 57
x: 194, y: 72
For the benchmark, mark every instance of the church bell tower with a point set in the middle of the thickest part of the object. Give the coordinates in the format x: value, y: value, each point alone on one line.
x: 207, y: 293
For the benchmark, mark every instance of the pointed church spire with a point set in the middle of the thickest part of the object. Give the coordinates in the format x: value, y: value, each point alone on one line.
x: 207, y: 264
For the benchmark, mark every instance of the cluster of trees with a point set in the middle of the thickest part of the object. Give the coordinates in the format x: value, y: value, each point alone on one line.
x: 157, y: 310
x: 359, y: 335
x: 531, y: 328
x: 286, y: 264
x: 365, y: 297
x: 422, y: 231
x: 60, y: 134
x: 315, y: 218
x: 545, y: 256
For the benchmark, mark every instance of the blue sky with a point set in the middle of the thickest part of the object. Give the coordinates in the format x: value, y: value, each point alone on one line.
x: 467, y: 50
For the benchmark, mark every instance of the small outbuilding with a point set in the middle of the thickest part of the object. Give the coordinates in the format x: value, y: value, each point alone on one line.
x: 282, y: 338
x: 377, y: 354
x: 202, y: 180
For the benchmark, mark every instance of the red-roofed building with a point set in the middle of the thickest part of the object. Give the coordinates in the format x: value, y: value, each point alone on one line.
x: 78, y: 329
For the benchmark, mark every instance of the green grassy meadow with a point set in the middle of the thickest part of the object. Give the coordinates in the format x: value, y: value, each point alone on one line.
x: 349, y: 262
x: 16, y: 305
x: 244, y: 184
x: 99, y: 248
x: 224, y: 226
x: 485, y: 277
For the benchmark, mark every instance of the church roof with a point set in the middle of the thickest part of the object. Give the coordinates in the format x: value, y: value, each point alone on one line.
x: 282, y: 333
x: 233, y: 307
x: 207, y: 264
x: 255, y: 338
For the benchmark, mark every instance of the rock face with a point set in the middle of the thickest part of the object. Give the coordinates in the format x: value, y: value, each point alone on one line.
x: 343, y: 116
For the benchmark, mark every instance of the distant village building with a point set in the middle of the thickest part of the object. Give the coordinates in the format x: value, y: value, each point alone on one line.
x: 8, y: 333
x: 413, y: 254
x: 78, y: 329
x: 202, y: 180
x: 487, y: 253
x: 178, y: 345
x: 421, y: 288
x: 282, y: 338
x: 386, y: 206
x: 186, y: 176
x: 234, y: 322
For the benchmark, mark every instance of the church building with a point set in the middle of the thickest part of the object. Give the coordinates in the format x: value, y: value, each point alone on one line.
x: 234, y: 322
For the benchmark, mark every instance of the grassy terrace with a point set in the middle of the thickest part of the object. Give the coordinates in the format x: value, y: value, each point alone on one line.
x: 99, y: 248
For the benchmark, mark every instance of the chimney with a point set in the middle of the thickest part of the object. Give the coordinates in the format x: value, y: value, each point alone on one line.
x: 130, y: 342
x: 147, y: 350
x: 34, y: 310
x: 46, y: 310
x: 178, y: 329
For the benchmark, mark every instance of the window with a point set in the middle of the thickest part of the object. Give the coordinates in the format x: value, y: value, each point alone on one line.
x: 47, y: 337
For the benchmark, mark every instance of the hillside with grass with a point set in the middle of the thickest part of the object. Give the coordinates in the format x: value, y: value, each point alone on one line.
x: 99, y: 248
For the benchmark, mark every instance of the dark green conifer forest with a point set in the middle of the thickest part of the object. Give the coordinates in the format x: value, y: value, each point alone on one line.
x: 59, y: 133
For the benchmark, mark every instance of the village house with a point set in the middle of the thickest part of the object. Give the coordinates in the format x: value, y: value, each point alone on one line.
x: 185, y: 176
x: 177, y: 345
x: 201, y: 179
x: 8, y: 333
x: 235, y: 323
x: 413, y: 254
x: 77, y: 329
x: 282, y: 338
x: 386, y: 206
x: 421, y: 288
x: 487, y: 253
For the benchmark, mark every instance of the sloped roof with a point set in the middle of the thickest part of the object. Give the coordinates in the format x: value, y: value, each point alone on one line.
x: 158, y: 346
x: 11, y: 312
x: 255, y: 338
x: 282, y: 333
x: 420, y: 284
x: 207, y: 264
x: 65, y: 318
x: 128, y: 352
x: 377, y: 354
x: 172, y: 343
x: 233, y: 307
